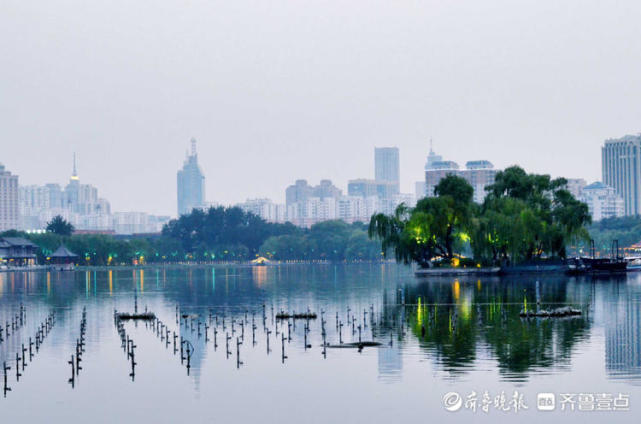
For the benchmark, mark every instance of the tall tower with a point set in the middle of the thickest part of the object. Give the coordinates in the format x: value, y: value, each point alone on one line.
x: 9, y: 210
x: 387, y: 167
x: 72, y: 190
x: 621, y: 168
x: 432, y: 158
x: 191, y: 183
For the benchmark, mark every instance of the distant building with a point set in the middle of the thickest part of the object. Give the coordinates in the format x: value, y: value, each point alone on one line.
x: 9, y: 209
x: 362, y: 187
x: 80, y: 205
x: 77, y: 203
x: 479, y: 173
x: 575, y: 186
x: 138, y: 223
x: 311, y: 211
x: 306, y: 205
x: 419, y: 188
x: 432, y: 158
x: 621, y: 168
x: 300, y: 191
x: 436, y: 173
x: 191, y: 183
x: 387, y: 167
x: 365, y: 188
x: 603, y: 201
x: 356, y: 208
x: 265, y: 208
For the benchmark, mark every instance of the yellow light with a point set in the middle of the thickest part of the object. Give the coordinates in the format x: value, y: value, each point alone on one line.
x: 456, y: 262
x: 456, y: 289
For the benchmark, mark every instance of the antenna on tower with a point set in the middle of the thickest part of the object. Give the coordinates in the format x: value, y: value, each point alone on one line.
x: 431, y: 150
x: 74, y: 175
x: 193, y: 146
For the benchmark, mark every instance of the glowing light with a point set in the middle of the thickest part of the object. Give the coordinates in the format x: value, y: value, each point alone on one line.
x: 456, y: 262
x: 456, y: 289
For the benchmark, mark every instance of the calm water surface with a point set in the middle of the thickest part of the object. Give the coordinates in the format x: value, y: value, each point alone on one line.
x: 438, y: 336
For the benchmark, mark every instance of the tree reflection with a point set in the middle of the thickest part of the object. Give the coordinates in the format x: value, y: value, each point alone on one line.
x: 457, y: 321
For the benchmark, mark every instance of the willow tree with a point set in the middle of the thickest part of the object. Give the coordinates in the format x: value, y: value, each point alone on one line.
x: 436, y: 228
x: 526, y: 217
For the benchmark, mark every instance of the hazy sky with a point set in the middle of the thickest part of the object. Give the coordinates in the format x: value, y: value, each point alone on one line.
x: 278, y: 90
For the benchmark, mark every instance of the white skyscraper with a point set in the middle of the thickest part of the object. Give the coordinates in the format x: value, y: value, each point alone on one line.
x: 621, y: 168
x: 9, y: 210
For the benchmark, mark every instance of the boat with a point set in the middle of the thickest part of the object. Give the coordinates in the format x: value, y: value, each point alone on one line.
x: 592, y: 265
x: 634, y: 264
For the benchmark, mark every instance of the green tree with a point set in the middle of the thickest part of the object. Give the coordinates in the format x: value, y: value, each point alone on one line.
x: 527, y: 216
x: 437, y: 227
x: 58, y: 225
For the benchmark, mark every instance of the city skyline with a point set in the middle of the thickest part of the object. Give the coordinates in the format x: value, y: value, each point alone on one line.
x: 298, y: 102
x: 406, y: 185
x: 190, y: 156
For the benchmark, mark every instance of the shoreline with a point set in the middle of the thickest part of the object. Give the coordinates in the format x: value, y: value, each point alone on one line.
x: 244, y: 264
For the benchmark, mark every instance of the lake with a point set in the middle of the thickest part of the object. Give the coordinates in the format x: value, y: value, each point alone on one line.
x: 450, y: 349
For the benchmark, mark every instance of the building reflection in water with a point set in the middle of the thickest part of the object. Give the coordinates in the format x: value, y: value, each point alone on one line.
x: 390, y: 363
x: 623, y: 337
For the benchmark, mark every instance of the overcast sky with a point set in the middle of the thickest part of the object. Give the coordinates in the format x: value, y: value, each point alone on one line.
x: 278, y: 90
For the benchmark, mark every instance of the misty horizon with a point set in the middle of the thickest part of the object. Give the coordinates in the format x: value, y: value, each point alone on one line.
x: 278, y: 92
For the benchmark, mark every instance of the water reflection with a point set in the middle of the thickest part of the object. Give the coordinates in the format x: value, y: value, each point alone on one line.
x: 457, y: 321
x: 458, y: 329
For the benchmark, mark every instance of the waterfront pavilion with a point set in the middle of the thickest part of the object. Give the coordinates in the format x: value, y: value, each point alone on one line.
x: 62, y: 256
x: 17, y: 251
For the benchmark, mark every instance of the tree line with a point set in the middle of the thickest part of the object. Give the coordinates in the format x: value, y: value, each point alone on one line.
x: 219, y: 234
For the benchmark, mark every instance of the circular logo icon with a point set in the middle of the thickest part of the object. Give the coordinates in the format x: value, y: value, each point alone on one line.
x: 452, y: 401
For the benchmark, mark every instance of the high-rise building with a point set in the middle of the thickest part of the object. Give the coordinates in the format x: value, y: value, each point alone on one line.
x: 419, y: 190
x: 387, y: 167
x: 300, y: 191
x: 432, y: 158
x: 191, y: 183
x: 362, y: 187
x: 77, y: 203
x: 436, y: 173
x: 9, y: 209
x: 621, y: 169
x: 479, y: 173
x: 603, y: 201
x: 327, y: 189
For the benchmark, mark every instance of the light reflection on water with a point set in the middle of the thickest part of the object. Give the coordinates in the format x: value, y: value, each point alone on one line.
x: 437, y: 335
